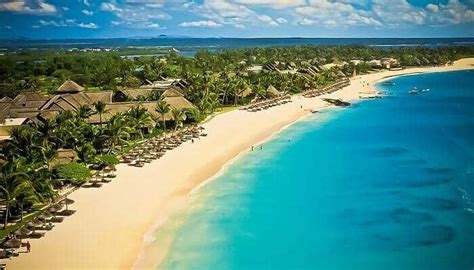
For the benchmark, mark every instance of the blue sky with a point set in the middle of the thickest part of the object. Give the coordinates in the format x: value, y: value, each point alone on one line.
x: 236, y: 18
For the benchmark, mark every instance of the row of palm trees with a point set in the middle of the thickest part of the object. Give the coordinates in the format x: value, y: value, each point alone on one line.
x: 26, y: 177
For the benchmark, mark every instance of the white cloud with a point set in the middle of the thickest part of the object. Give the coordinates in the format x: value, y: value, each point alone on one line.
x: 236, y: 13
x: 306, y: 21
x: 432, y: 7
x: 281, y: 20
x: 87, y: 12
x: 38, y: 7
x: 277, y: 4
x: 65, y: 23
x: 267, y: 20
x: 210, y: 24
x: 332, y: 13
x: 88, y: 25
x: 137, y: 13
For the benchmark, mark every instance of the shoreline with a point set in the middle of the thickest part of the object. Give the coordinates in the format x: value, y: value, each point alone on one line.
x: 114, y: 224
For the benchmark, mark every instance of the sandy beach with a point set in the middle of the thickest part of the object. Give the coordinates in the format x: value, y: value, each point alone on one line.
x: 109, y: 228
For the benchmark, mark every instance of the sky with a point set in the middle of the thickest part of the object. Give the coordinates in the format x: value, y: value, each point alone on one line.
x: 235, y: 18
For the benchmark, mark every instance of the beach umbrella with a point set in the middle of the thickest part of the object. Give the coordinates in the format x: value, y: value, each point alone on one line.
x: 66, y: 212
x: 35, y: 223
x: 55, y: 208
x: 23, y: 232
x: 67, y: 202
x: 12, y: 243
x: 46, y: 216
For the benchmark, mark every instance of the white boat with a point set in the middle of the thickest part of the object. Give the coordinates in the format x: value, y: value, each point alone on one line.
x: 413, y: 91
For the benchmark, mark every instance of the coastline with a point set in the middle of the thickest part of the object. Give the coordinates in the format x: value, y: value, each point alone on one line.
x: 108, y: 230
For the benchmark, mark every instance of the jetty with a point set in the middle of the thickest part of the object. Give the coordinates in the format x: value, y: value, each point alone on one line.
x: 337, y: 102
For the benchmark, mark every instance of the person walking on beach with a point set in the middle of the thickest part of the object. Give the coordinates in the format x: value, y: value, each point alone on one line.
x: 192, y: 140
x: 28, y: 246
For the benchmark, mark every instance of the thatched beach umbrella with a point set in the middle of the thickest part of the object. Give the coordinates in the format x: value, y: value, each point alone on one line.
x: 23, y: 232
x: 35, y: 223
x: 67, y: 202
x: 12, y: 243
x: 66, y: 212
x: 55, y: 208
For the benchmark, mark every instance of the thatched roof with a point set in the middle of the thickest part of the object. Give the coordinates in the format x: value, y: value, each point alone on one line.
x: 246, y: 92
x: 165, y: 83
x: 131, y: 94
x: 341, y: 74
x: 172, y: 92
x: 273, y: 91
x: 63, y: 156
x: 69, y: 86
x: 68, y: 102
x: 179, y: 103
x: 6, y: 99
x: 104, y: 96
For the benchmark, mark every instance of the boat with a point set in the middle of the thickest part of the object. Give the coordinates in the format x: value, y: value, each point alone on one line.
x: 413, y: 91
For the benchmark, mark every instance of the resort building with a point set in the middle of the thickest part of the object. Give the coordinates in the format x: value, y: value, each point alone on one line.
x: 70, y: 96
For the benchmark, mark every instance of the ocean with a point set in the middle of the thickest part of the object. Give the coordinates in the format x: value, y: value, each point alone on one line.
x: 188, y: 46
x: 384, y: 184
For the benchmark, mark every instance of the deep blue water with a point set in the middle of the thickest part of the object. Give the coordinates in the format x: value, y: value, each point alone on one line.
x: 385, y: 184
x: 193, y: 44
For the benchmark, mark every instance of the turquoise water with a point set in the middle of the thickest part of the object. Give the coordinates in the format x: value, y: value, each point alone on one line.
x: 385, y: 184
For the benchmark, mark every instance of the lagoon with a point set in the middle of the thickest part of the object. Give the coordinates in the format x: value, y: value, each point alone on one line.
x: 385, y: 184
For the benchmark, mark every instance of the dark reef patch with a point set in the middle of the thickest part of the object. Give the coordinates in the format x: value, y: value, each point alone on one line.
x: 440, y: 171
x: 407, y: 216
x: 435, y: 235
x: 425, y: 182
x: 437, y: 204
x: 391, y: 151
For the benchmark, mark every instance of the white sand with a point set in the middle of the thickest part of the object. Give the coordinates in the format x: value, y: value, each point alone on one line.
x: 107, y: 232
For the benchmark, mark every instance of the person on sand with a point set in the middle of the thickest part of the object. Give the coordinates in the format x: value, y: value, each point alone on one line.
x: 192, y: 140
x: 28, y: 246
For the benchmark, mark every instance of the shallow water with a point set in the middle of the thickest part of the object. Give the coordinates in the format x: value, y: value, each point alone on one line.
x: 385, y: 184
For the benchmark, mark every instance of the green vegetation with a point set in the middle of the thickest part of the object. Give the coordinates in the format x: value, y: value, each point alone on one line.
x: 216, y: 81
x: 74, y: 172
x: 26, y: 176
x: 215, y: 78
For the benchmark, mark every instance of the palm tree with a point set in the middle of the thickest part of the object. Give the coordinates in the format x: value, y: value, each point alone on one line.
x: 162, y: 107
x: 116, y: 132
x: 100, y: 108
x: 13, y: 184
x: 178, y: 116
x: 84, y: 111
x: 139, y: 118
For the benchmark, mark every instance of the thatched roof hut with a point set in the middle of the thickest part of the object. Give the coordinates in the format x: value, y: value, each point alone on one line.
x: 273, y: 91
x: 63, y: 156
x: 341, y: 74
x: 246, y: 92
x: 104, y: 96
x: 69, y: 86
